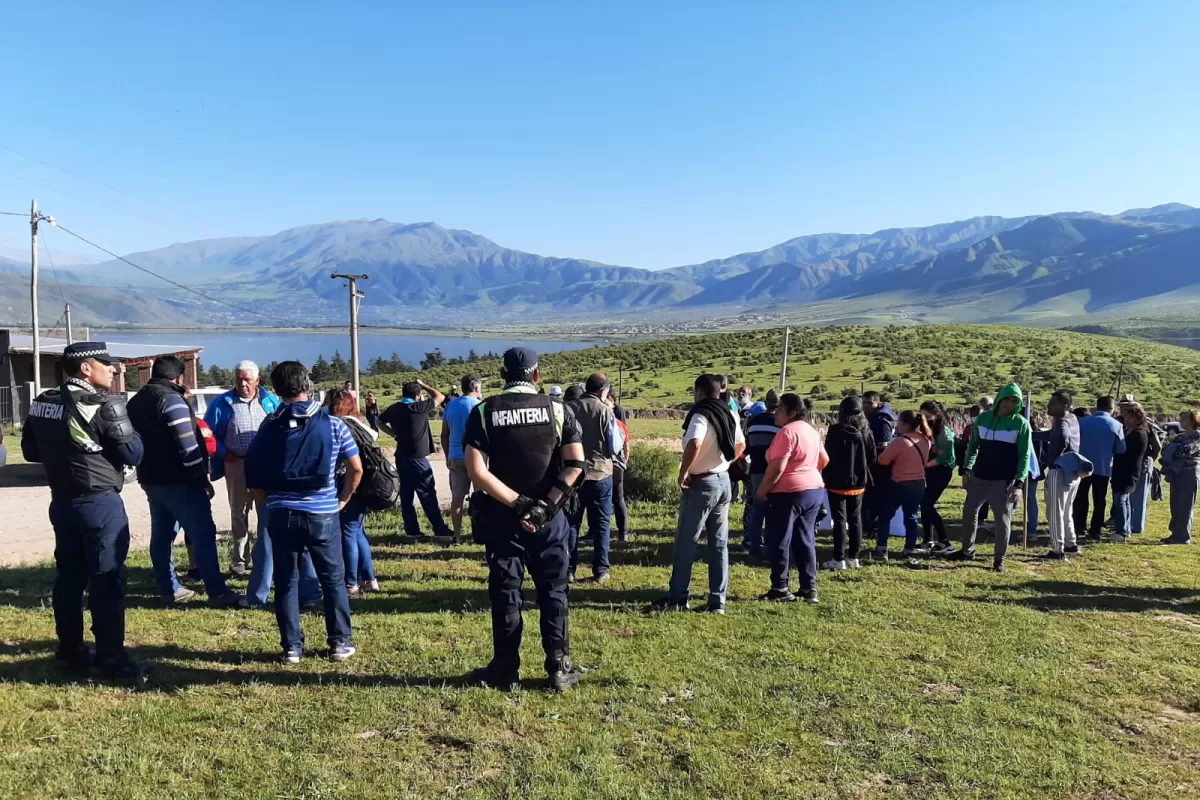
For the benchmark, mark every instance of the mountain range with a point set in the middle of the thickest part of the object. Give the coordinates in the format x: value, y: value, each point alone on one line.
x: 1065, y: 265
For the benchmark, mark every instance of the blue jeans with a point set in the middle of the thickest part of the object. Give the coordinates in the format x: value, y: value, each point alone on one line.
x: 1031, y: 505
x: 754, y: 516
x: 1123, y: 512
x: 416, y: 478
x: 356, y: 550
x: 1138, y: 503
x: 189, y: 506
x: 293, y: 533
x: 703, y: 510
x: 264, y: 569
x: 904, y: 495
x: 595, y: 499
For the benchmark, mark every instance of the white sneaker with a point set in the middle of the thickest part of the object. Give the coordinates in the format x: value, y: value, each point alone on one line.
x: 852, y: 563
x: 836, y: 566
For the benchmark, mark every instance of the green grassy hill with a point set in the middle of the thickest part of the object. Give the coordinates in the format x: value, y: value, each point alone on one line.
x: 952, y: 363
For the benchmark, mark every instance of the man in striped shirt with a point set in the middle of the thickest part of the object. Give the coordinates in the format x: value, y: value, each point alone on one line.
x: 174, y: 475
x: 307, y: 521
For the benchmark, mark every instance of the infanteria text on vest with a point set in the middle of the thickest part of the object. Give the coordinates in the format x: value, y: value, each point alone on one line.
x: 511, y: 417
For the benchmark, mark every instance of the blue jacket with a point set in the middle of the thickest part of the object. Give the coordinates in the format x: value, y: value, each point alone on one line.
x: 219, y: 412
x: 882, y: 422
x: 1101, y: 437
x: 1073, y: 463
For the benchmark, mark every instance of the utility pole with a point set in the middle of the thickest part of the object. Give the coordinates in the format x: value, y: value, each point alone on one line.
x: 355, y: 296
x: 33, y: 298
x: 70, y: 336
x: 787, y: 338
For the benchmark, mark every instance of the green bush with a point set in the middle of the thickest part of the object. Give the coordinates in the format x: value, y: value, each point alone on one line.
x: 653, y: 474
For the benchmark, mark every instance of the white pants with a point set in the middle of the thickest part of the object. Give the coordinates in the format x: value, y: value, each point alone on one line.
x: 1061, y: 488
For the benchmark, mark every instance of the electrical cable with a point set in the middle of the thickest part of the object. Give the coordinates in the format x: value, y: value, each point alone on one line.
x: 174, y: 283
x: 53, y: 271
x: 101, y: 183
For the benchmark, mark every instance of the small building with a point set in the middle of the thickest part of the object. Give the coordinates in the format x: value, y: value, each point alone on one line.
x: 16, y: 366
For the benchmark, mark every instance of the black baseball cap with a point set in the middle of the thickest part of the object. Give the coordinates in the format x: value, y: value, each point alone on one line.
x: 519, y: 361
x: 83, y: 351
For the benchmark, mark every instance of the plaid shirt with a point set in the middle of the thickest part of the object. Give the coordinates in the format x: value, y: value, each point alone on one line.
x: 248, y: 416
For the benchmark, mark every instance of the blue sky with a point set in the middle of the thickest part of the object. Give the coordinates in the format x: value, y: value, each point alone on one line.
x: 642, y: 134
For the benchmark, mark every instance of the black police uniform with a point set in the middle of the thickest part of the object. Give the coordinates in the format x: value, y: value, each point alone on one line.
x: 84, y: 440
x: 522, y: 432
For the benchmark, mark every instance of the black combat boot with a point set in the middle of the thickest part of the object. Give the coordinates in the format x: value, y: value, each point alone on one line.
x: 563, y: 675
x: 503, y: 678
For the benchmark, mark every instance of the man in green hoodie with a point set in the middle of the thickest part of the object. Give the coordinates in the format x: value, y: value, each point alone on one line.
x: 997, y: 463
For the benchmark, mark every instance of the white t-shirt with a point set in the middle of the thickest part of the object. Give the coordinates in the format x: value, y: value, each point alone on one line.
x: 710, y: 458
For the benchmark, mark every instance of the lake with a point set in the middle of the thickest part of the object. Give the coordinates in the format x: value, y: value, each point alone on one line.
x: 226, y: 348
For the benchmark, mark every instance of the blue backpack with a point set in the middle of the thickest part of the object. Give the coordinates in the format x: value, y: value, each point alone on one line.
x: 291, y: 453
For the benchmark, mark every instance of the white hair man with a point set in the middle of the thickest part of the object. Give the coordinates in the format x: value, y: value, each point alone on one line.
x: 235, y: 418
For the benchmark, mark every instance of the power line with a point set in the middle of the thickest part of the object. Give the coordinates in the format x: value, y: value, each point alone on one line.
x: 53, y: 271
x: 176, y: 284
x: 152, y: 220
x: 101, y: 183
x: 15, y: 213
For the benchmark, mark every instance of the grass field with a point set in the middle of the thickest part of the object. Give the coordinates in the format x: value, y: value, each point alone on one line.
x: 1077, y: 680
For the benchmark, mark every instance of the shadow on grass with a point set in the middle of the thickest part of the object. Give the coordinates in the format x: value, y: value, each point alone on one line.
x: 1076, y: 596
x: 167, y: 676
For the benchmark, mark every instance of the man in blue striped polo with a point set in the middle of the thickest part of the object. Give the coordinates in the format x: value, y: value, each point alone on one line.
x: 299, y: 446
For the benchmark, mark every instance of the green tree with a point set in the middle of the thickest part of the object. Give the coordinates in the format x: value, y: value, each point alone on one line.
x: 433, y: 359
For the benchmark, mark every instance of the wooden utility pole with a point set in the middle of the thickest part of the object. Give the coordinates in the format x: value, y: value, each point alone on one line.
x: 355, y: 296
x: 70, y: 335
x: 787, y: 338
x: 33, y: 297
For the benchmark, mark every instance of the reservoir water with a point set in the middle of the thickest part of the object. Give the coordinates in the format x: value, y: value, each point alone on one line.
x: 226, y: 348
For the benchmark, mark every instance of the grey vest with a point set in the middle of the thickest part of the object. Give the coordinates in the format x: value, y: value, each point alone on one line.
x: 594, y: 418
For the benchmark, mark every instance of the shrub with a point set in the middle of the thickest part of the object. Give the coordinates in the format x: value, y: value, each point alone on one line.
x: 653, y: 474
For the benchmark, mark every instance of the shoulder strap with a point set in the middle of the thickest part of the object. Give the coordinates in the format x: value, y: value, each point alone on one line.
x: 76, y: 414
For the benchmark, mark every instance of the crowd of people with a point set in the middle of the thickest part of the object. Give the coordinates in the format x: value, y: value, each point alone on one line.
x: 543, y: 469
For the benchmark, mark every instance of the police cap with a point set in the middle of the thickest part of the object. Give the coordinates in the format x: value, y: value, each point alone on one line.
x: 83, y: 351
x: 519, y: 362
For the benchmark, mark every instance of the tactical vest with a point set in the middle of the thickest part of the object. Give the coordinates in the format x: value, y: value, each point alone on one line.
x: 523, y: 432
x: 69, y: 444
x: 161, y: 463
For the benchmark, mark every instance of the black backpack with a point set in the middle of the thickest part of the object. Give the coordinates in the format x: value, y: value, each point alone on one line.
x: 379, y: 488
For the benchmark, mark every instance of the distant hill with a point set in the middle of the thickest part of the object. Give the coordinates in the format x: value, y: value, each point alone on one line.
x: 425, y: 273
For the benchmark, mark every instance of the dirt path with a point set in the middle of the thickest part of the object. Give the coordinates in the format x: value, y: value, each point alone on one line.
x: 26, y: 535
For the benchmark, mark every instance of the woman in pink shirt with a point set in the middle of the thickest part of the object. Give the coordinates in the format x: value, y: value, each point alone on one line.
x: 906, y: 455
x: 793, y: 492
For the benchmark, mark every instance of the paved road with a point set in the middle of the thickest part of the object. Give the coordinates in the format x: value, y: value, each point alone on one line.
x: 26, y: 535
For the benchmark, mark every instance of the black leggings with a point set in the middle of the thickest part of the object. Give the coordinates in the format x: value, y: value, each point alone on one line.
x: 936, y: 480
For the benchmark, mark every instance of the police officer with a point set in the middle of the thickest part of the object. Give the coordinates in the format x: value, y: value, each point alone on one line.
x: 84, y: 439
x: 524, y: 454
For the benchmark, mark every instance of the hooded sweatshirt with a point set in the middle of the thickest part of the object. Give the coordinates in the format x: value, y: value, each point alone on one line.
x: 851, y: 454
x: 999, y: 448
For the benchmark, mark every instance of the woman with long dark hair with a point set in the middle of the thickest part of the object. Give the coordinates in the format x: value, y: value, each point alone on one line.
x: 356, y: 550
x: 907, y: 455
x: 939, y: 471
x: 794, y: 493
x: 851, y: 450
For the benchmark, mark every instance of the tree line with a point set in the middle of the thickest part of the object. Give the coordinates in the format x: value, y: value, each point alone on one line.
x: 337, y: 368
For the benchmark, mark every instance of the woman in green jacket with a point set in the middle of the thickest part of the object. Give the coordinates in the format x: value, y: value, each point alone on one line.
x: 938, y: 473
